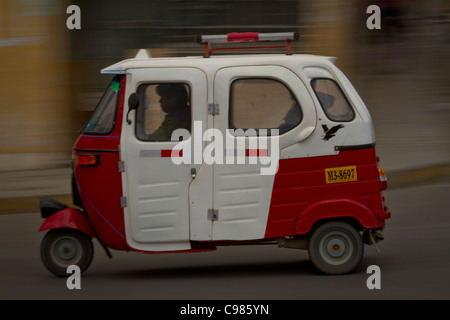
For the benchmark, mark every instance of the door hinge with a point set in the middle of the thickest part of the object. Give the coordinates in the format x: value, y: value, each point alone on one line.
x: 123, y: 202
x: 121, y: 166
x: 213, y: 109
x: 213, y: 215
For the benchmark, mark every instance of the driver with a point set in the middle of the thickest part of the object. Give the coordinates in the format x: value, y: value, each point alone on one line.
x: 174, y: 102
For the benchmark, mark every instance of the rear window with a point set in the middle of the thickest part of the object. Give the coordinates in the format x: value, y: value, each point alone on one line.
x: 332, y: 99
x: 259, y: 103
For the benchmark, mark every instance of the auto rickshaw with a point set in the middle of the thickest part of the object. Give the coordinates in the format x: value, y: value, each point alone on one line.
x: 187, y: 154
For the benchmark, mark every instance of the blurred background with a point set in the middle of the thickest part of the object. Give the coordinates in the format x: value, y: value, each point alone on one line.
x: 50, y: 80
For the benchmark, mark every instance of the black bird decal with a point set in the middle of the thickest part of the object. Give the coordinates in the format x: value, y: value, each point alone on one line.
x: 330, y: 133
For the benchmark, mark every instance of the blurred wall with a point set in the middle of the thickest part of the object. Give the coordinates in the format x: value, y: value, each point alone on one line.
x: 50, y: 79
x: 34, y: 84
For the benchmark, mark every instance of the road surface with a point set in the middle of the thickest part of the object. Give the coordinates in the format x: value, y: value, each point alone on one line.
x: 414, y: 263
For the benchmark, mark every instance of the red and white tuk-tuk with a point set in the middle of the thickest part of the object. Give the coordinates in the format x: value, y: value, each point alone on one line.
x: 187, y: 154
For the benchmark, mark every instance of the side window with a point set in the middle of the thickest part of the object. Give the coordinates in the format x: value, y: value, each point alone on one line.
x: 164, y: 108
x: 332, y: 99
x: 259, y: 103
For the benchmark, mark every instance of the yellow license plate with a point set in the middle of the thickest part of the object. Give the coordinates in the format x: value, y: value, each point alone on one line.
x: 341, y: 174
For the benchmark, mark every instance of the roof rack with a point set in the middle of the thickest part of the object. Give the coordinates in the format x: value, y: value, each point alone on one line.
x: 247, y: 37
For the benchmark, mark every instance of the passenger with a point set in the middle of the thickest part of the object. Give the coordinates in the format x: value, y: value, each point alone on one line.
x: 292, y: 117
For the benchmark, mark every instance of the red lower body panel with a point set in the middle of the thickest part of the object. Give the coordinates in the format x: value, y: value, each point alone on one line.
x: 100, y: 189
x: 302, y: 194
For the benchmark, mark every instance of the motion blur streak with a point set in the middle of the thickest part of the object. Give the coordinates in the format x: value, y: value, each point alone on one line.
x: 50, y: 82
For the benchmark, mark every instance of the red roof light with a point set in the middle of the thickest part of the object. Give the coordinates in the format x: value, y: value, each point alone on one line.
x: 247, y: 37
x: 243, y: 37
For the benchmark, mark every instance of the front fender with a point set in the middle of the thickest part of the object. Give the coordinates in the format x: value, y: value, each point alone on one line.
x: 334, y: 208
x: 69, y: 218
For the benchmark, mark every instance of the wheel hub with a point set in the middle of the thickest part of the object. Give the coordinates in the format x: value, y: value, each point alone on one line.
x: 66, y: 249
x: 336, y: 249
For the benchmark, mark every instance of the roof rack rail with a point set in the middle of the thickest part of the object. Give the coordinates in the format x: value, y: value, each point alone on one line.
x: 236, y: 37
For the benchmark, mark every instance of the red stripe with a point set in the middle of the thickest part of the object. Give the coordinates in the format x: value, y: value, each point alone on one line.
x: 256, y: 152
x: 171, y: 153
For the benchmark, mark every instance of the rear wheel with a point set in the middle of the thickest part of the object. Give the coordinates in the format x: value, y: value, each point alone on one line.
x: 61, y: 248
x: 336, y: 248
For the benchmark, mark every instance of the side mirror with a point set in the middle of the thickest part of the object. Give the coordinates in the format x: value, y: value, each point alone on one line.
x: 133, y: 104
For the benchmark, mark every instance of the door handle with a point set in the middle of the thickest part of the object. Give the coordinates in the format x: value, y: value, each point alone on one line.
x: 193, y: 173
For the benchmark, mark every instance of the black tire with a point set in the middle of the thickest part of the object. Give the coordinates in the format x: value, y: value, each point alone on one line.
x: 336, y: 248
x: 61, y: 248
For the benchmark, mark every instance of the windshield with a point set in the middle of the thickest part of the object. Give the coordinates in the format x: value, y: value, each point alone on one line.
x: 103, y: 118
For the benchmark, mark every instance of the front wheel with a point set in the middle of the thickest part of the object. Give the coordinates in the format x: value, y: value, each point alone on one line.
x: 61, y: 248
x: 336, y: 248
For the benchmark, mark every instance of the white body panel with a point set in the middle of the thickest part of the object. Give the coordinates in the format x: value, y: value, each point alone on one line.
x: 157, y: 216
x: 242, y: 193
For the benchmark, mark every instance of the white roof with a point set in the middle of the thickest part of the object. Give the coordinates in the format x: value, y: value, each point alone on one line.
x: 143, y: 60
